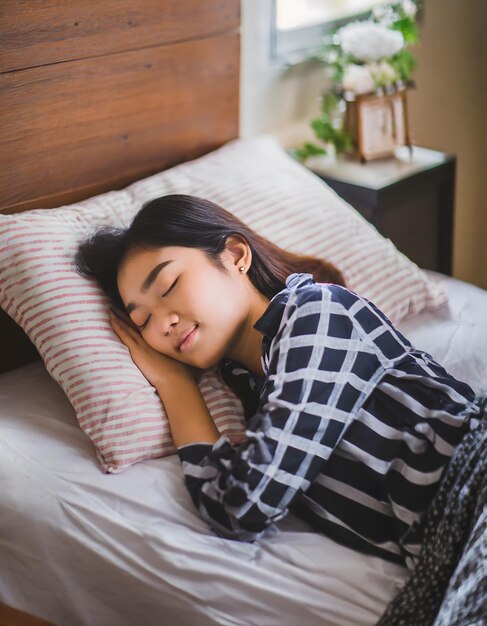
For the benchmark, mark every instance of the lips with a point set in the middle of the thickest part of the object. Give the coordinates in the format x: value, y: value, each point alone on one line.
x: 181, y: 338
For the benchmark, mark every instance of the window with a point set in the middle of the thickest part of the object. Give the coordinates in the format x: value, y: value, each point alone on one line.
x: 298, y: 27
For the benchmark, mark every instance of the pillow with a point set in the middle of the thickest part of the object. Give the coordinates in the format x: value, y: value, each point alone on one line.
x: 65, y: 314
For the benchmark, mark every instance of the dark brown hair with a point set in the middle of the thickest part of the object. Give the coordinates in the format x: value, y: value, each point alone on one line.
x: 193, y: 222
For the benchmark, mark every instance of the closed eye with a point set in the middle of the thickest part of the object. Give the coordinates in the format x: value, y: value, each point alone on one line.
x: 163, y: 295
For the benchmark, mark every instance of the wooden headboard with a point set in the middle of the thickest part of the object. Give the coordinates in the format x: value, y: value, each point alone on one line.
x: 95, y: 95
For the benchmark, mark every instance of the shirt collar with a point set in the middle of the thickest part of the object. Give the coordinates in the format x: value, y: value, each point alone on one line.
x: 268, y: 323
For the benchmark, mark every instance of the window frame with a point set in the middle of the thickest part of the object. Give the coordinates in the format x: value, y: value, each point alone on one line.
x: 289, y: 48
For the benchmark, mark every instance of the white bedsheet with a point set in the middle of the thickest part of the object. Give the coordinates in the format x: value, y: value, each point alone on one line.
x: 79, y: 547
x: 455, y: 335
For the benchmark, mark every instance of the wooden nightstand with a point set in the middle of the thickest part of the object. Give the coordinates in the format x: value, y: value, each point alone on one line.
x: 408, y: 200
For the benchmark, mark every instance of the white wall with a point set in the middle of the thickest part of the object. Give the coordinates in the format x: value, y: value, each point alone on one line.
x: 271, y: 96
x: 447, y: 111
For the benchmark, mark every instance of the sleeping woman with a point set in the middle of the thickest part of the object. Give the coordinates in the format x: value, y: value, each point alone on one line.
x: 349, y: 426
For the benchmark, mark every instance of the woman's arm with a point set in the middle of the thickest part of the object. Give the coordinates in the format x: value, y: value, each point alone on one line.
x: 186, y: 411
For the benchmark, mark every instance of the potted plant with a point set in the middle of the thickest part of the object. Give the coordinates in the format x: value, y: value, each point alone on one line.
x: 369, y: 63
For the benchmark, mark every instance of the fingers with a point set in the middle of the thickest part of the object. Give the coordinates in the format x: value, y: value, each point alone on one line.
x: 116, y: 324
x: 121, y: 315
x: 123, y: 330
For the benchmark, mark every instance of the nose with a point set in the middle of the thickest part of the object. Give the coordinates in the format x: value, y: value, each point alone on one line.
x: 167, y: 325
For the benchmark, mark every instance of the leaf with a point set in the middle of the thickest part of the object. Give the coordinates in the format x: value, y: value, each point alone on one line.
x: 343, y: 142
x: 408, y: 29
x: 329, y: 102
x: 323, y: 128
x: 325, y: 131
x: 308, y: 150
x: 404, y: 63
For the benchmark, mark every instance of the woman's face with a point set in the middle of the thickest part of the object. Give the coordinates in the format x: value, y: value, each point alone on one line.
x: 175, y: 289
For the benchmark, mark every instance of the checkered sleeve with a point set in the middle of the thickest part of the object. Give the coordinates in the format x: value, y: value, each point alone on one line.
x: 323, y: 364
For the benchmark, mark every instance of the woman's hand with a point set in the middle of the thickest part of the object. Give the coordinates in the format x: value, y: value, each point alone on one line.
x: 155, y: 366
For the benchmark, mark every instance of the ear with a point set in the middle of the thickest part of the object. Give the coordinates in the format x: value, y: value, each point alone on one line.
x: 238, y: 251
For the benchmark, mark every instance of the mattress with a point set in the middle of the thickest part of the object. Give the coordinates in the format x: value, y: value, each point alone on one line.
x: 455, y: 335
x: 80, y: 547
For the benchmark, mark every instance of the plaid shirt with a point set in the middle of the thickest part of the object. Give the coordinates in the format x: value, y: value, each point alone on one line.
x: 353, y: 430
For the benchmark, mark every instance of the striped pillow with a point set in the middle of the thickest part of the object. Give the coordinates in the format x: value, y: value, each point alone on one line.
x: 65, y: 315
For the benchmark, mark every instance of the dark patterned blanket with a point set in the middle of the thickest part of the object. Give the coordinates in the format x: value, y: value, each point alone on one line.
x: 448, y: 584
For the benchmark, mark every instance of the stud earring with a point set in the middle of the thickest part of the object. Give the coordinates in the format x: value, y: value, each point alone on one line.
x: 242, y: 268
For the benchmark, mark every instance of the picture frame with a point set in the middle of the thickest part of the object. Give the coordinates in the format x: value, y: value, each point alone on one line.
x: 377, y: 123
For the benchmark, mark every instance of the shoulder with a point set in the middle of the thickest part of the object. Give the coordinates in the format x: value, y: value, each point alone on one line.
x: 304, y: 289
x: 338, y: 312
x: 339, y: 299
x: 311, y: 301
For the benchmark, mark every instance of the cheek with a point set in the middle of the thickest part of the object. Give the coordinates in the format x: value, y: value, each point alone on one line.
x: 154, y: 338
x: 216, y: 309
x: 221, y: 321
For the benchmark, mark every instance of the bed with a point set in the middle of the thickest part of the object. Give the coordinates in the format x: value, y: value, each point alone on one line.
x: 92, y: 105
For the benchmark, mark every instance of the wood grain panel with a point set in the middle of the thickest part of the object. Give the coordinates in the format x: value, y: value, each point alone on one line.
x: 74, y: 129
x: 39, y: 33
x: 94, y: 96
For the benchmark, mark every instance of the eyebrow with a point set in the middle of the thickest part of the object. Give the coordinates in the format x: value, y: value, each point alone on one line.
x: 148, y: 282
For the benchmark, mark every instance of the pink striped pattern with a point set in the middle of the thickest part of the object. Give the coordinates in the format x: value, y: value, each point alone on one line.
x: 65, y: 316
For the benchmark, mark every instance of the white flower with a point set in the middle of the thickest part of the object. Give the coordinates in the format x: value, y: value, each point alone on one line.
x: 384, y: 14
x: 367, y: 41
x: 409, y: 7
x: 383, y: 73
x: 357, y: 78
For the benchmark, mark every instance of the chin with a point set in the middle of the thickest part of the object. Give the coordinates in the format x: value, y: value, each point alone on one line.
x: 204, y: 364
